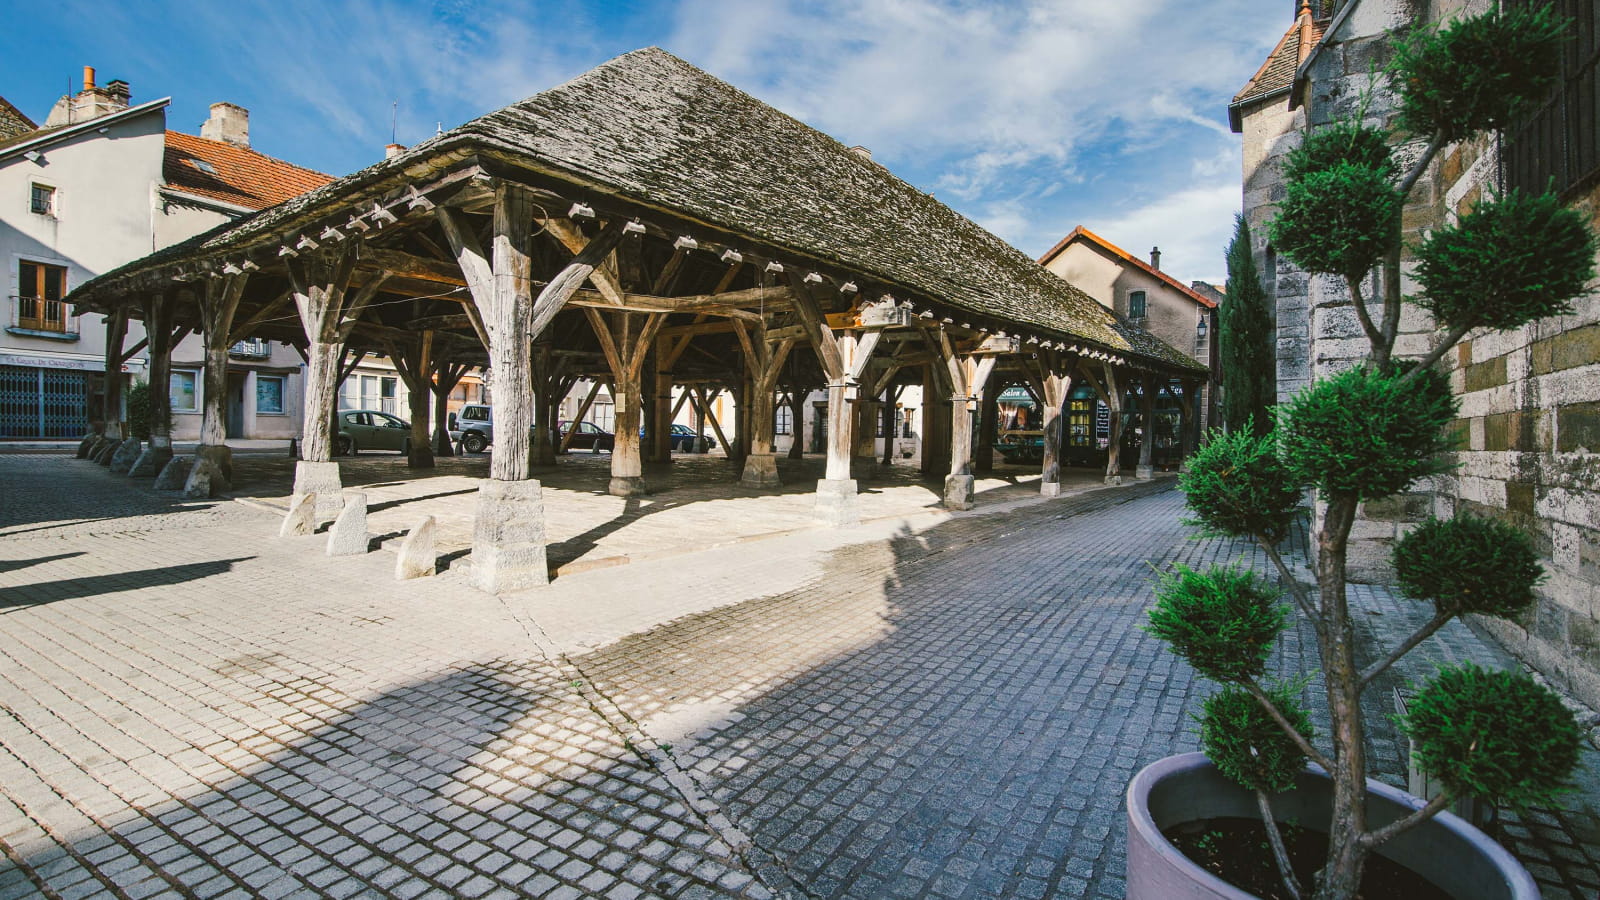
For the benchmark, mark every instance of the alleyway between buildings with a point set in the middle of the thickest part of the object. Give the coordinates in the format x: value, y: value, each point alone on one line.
x: 924, y: 705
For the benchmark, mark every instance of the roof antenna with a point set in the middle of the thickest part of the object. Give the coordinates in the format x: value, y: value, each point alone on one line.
x: 438, y: 128
x: 394, y: 123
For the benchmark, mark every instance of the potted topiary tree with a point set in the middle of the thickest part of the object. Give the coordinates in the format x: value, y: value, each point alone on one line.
x: 1364, y: 434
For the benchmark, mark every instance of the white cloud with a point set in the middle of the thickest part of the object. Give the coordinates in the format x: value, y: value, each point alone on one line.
x: 1192, y: 227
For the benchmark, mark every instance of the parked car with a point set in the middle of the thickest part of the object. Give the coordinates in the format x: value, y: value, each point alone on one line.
x: 472, y: 427
x: 356, y: 430
x: 685, y: 439
x: 588, y: 436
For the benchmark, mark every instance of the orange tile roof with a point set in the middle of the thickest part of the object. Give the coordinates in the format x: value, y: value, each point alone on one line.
x: 221, y: 171
x: 1085, y: 234
x: 1277, y: 73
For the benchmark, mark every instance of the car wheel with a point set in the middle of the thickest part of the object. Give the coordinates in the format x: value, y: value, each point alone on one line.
x: 473, y: 442
x: 347, y: 447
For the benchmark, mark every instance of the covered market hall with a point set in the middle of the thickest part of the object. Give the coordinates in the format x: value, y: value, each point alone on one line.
x: 652, y: 228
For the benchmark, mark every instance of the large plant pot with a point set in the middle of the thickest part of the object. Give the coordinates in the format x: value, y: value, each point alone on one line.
x: 1456, y: 857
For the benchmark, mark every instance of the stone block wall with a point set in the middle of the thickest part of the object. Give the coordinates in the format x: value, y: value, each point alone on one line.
x: 1529, y: 427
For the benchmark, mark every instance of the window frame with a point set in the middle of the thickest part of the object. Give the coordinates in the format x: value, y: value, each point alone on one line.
x: 283, y: 399
x: 173, y: 394
x: 1142, y: 298
x: 52, y: 195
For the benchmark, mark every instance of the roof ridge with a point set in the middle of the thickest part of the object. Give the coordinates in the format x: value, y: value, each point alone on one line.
x: 1084, y: 232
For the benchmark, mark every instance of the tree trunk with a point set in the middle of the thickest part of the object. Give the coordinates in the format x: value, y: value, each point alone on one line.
x: 1346, y: 857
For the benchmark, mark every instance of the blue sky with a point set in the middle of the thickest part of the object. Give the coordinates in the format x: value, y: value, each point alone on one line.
x: 1030, y: 117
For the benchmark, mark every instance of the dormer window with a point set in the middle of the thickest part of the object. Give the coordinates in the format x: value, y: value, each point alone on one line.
x: 1136, y: 304
x: 42, y: 200
x: 204, y: 166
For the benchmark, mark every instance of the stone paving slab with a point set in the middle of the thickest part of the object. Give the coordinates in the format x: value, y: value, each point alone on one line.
x: 931, y: 705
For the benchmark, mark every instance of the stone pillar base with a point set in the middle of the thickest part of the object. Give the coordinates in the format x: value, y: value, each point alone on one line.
x: 761, y: 471
x: 836, y: 501
x: 86, y: 443
x: 1113, y: 479
x: 212, y: 472
x: 1049, y: 488
x: 127, y: 452
x: 348, y: 536
x: 958, y: 491
x: 322, y: 479
x: 1144, y: 473
x: 150, y: 462
x: 174, y: 475
x: 627, y: 486
x: 107, y: 449
x: 508, y: 537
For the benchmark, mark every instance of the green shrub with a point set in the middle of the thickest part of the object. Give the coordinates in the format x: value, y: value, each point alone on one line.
x: 139, y: 419
x: 1507, y: 262
x: 1476, y: 74
x: 1344, y: 142
x: 1237, y: 486
x: 1247, y: 744
x: 1337, y: 220
x: 1365, y: 433
x: 1495, y: 735
x: 1469, y: 564
x: 1222, y: 621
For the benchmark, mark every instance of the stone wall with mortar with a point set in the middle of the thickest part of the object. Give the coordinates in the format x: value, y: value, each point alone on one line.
x: 1529, y: 427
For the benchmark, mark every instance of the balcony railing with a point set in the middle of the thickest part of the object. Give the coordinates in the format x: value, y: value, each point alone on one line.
x: 255, y: 348
x: 46, y: 318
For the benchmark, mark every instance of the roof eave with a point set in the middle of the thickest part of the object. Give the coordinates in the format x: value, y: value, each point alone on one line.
x: 54, y: 135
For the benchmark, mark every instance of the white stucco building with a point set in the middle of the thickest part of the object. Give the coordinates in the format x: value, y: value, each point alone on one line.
x: 101, y: 183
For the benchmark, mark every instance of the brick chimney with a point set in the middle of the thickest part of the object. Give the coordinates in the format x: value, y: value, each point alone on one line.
x: 1155, y: 258
x: 90, y: 103
x: 229, y: 123
x: 390, y: 151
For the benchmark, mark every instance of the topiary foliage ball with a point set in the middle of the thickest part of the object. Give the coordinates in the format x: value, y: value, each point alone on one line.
x: 1247, y: 745
x: 1342, y: 142
x: 1222, y: 621
x: 1470, y: 565
x: 1364, y: 433
x: 1476, y: 74
x: 1338, y: 220
x: 1495, y: 735
x: 1236, y: 486
x: 1506, y: 263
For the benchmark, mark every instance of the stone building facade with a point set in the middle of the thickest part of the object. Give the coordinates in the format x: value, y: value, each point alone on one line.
x: 1529, y: 426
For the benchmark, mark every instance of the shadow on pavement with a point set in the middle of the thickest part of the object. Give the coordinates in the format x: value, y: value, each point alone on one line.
x: 27, y: 595
x: 12, y: 565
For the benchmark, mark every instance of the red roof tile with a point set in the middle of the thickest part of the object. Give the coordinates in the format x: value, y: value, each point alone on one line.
x: 221, y: 171
x: 1085, y: 234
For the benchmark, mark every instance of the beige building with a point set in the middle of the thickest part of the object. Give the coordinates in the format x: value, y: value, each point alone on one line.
x: 1529, y: 426
x: 1183, y: 316
x: 102, y: 182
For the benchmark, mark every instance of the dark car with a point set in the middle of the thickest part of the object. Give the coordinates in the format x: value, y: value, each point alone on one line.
x: 588, y: 436
x: 683, y: 439
x: 356, y: 430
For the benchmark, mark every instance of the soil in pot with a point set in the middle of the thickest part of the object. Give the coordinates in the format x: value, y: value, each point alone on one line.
x: 1236, y: 850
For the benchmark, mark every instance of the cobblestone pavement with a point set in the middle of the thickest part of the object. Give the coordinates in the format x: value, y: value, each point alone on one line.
x: 930, y: 706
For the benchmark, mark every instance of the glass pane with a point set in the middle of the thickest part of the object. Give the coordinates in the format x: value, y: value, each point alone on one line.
x: 269, y: 395
x: 182, y: 387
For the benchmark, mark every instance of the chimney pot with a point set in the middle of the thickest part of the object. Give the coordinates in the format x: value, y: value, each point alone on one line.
x: 88, y: 78
x: 1155, y: 257
x: 390, y: 151
x: 861, y: 152
x: 229, y: 123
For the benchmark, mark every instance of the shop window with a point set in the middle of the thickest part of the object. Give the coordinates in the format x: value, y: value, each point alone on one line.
x: 185, y: 393
x: 269, y: 394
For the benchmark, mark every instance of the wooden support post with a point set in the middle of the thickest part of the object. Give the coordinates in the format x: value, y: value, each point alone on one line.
x: 969, y: 377
x: 444, y: 378
x: 413, y: 360
x: 891, y: 421
x: 1189, y: 426
x: 661, y: 394
x: 111, y: 397
x: 626, y: 341
x: 836, y: 492
x: 1147, y: 418
x: 763, y: 363
x: 212, y: 471
x: 1113, y: 397
x: 162, y: 335
x: 1055, y: 382
x: 797, y: 421
x: 988, y: 426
